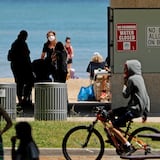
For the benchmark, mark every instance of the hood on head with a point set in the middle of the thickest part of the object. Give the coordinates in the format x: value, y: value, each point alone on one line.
x: 134, y: 67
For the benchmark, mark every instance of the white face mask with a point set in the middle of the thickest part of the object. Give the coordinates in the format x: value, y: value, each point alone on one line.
x: 51, y: 38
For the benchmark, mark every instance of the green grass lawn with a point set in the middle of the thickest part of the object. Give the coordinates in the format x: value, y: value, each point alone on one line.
x: 50, y: 133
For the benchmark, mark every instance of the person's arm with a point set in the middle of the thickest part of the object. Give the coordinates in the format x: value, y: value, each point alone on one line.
x: 7, y: 119
x: 88, y: 68
x: 127, y: 88
x: 72, y: 51
x: 43, y: 55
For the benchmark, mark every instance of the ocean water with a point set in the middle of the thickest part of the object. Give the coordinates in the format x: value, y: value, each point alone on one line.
x: 85, y: 21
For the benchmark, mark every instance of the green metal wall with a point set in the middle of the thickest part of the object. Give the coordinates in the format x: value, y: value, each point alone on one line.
x: 146, y: 45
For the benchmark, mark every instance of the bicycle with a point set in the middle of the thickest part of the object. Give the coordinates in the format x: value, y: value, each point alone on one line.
x: 88, y: 140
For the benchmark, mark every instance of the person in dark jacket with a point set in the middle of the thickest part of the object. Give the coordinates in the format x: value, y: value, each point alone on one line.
x: 96, y: 62
x: 60, y: 58
x: 47, y: 51
x: 27, y: 148
x: 19, y: 55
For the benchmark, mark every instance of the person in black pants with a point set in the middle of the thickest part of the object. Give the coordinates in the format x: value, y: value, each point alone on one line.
x: 60, y: 59
x: 47, y: 51
x: 19, y: 55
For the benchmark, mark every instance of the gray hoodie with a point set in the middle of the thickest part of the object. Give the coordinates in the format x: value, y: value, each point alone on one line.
x: 135, y: 88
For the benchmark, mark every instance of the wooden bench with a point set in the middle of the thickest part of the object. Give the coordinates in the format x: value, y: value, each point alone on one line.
x: 140, y: 157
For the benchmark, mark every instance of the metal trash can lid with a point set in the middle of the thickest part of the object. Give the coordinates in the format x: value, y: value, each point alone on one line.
x: 50, y: 84
x: 7, y: 84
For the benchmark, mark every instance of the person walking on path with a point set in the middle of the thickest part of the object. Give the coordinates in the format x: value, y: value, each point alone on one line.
x: 27, y: 149
x: 21, y: 66
x: 8, y: 125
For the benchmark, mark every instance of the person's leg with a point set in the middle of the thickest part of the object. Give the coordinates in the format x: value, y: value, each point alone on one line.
x: 128, y: 114
x: 69, y: 66
x: 128, y: 149
x: 56, y: 76
x: 29, y: 82
x: 125, y: 114
x: 18, y: 81
x: 1, y: 148
x: 118, y: 134
x: 118, y: 116
x: 28, y: 92
x: 119, y: 111
x: 63, y: 77
x: 20, y: 86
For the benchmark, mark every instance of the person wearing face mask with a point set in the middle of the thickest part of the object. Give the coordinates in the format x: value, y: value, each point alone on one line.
x: 47, y: 51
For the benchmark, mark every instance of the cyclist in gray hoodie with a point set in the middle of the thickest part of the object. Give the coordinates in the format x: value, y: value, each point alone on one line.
x: 138, y: 105
x: 134, y: 88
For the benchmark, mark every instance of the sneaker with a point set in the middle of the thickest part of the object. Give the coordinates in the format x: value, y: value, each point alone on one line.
x: 128, y: 150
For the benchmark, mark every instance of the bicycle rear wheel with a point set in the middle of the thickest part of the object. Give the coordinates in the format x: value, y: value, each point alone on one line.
x: 140, y: 141
x: 78, y: 142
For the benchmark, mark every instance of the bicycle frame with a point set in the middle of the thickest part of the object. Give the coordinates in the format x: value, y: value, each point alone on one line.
x: 92, y: 137
x: 108, y: 123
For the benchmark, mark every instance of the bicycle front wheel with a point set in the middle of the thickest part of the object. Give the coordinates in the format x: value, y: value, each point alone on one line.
x: 82, y: 140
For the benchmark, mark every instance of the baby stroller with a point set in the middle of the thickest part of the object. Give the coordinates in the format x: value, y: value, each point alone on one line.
x: 41, y: 71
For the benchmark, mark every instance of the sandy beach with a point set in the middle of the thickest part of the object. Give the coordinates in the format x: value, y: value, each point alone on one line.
x: 73, y: 87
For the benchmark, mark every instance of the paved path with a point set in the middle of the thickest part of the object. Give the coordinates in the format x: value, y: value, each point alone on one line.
x: 150, y: 119
x: 56, y: 154
x: 76, y: 158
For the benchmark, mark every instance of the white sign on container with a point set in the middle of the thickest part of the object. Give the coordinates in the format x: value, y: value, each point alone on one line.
x: 153, y: 36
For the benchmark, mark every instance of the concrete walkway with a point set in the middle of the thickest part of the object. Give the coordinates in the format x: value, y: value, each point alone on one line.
x: 76, y: 158
x: 56, y: 154
x: 150, y: 119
